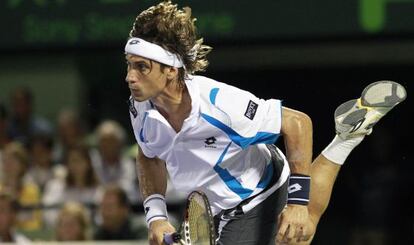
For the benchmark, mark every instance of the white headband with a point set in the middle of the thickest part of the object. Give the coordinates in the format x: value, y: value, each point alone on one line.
x: 138, y: 46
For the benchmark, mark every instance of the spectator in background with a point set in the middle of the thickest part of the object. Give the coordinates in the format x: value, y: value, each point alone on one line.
x: 110, y: 165
x: 79, y: 184
x: 42, y: 167
x: 23, y: 123
x: 116, y: 222
x: 8, y: 212
x: 73, y: 223
x: 15, y: 164
x: 70, y: 133
x: 4, y: 138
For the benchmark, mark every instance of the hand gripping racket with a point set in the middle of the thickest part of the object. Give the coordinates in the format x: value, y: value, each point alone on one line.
x: 198, y: 226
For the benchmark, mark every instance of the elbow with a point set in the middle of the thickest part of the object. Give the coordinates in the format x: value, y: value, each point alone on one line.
x: 304, y: 121
x: 300, y: 129
x: 304, y: 125
x: 296, y: 121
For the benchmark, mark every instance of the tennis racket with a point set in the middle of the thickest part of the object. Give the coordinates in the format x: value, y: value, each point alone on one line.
x: 198, y: 226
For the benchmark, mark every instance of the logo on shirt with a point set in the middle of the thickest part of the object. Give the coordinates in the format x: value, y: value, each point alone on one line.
x: 210, y: 141
x: 251, y: 110
x: 132, y: 107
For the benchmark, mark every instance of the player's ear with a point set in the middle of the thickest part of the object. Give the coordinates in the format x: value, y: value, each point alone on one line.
x: 172, y: 72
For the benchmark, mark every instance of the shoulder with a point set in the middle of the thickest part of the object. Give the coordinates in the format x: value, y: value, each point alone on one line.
x: 30, y: 193
x: 220, y: 94
x: 55, y: 185
x: 30, y: 188
x: 229, y: 99
x: 238, y: 109
x: 211, y: 87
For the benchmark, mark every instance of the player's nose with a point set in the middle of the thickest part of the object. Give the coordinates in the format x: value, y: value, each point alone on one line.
x: 131, y: 78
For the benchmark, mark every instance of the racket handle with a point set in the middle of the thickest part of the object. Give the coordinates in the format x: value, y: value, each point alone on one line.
x: 171, y: 238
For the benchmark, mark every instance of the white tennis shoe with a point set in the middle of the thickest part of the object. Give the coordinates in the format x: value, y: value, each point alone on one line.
x: 357, y: 117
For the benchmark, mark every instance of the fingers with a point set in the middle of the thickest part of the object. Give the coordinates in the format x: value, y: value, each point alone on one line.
x: 290, y: 232
x: 282, y: 230
x: 301, y: 234
x: 157, y: 231
x: 152, y: 240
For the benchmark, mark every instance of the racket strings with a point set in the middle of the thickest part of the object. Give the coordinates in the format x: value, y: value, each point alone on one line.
x: 198, y: 219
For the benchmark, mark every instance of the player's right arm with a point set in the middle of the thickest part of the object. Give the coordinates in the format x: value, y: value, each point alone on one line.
x: 152, y: 176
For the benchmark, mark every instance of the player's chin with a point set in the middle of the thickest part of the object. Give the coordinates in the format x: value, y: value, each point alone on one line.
x: 138, y: 97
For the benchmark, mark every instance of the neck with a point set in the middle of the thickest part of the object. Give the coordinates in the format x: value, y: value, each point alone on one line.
x: 170, y: 100
x: 174, y: 105
x: 115, y: 225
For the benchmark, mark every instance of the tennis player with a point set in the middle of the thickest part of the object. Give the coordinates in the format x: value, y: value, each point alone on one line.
x: 216, y: 138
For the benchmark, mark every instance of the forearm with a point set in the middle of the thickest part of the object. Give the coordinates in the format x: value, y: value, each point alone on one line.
x: 297, y: 133
x: 152, y: 176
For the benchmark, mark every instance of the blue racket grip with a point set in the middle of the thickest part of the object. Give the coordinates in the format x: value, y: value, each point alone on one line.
x: 170, y: 238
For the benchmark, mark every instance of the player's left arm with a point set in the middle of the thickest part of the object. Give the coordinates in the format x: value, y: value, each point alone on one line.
x: 297, y: 132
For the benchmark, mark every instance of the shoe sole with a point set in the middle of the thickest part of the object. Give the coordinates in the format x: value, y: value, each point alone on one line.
x: 381, y: 96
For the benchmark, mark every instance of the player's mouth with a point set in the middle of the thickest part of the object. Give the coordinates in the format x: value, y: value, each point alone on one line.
x: 134, y: 89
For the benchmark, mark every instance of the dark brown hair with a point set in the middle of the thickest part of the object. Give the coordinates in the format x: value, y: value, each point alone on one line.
x: 174, y: 30
x: 91, y: 178
x: 119, y: 193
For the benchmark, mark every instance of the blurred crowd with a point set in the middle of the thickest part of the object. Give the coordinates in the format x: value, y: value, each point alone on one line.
x: 61, y: 182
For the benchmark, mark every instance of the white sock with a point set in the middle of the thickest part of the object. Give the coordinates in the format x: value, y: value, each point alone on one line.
x: 338, y: 150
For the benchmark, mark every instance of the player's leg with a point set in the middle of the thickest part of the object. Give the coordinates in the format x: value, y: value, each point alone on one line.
x: 353, y: 120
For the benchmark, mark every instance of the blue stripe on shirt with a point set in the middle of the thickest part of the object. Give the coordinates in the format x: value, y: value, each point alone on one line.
x: 266, y: 177
x: 213, y: 95
x: 243, y: 142
x: 230, y: 181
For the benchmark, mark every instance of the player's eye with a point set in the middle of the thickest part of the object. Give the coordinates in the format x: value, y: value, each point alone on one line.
x: 142, y: 67
x: 139, y: 66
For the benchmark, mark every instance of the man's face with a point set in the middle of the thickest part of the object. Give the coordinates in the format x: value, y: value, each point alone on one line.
x: 145, y: 78
x: 69, y: 228
x: 109, y: 146
x: 113, y: 213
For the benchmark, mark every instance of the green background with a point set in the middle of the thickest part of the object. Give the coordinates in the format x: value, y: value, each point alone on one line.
x: 41, y: 23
